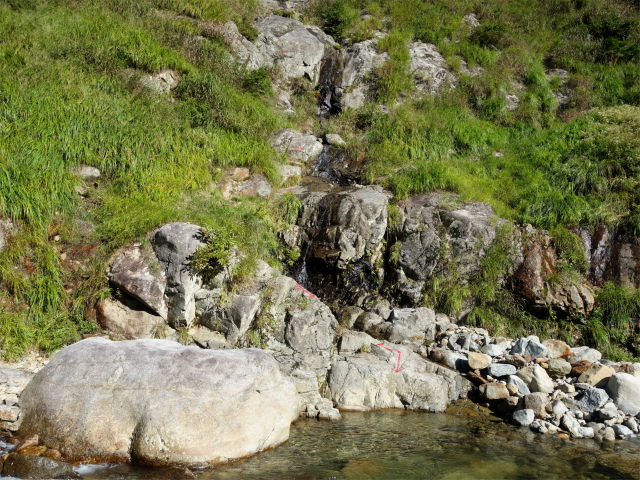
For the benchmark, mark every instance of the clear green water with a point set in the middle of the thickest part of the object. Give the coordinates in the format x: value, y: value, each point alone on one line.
x: 463, y: 444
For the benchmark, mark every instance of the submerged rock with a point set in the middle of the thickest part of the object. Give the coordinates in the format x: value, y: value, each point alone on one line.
x: 31, y: 466
x: 159, y: 402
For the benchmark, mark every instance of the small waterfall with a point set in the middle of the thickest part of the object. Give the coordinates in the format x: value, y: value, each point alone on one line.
x: 329, y: 71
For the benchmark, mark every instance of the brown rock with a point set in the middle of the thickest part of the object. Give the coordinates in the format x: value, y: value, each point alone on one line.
x: 512, y: 388
x: 562, y: 436
x: 579, y: 367
x: 240, y: 174
x: 30, y: 441
x: 557, y: 349
x: 540, y: 360
x: 53, y: 454
x: 516, y: 360
x: 493, y: 391
x: 128, y: 318
x: 597, y: 375
x: 538, y: 403
x: 35, y: 450
x: 478, y: 361
x: 475, y: 378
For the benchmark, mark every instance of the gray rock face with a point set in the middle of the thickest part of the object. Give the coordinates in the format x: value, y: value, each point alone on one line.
x: 371, y: 380
x: 87, y: 173
x: 351, y: 223
x: 136, y: 271
x: 624, y: 390
x: 466, y: 232
x: 523, y: 418
x: 243, y: 50
x: 128, y: 319
x: 352, y: 342
x: 99, y: 399
x: 429, y: 68
x: 536, y: 378
x: 593, y: 398
x: 359, y: 62
x: 523, y: 389
x: 295, y: 48
x: 30, y: 466
x: 174, y: 244
x: 501, y: 370
x: 298, y: 146
x: 558, y: 368
x: 415, y: 325
x: 160, y: 83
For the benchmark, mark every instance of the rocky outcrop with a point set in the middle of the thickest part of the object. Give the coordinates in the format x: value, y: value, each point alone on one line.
x: 350, y: 224
x: 174, y: 244
x: 12, y: 383
x: 430, y: 71
x: 359, y: 62
x: 297, y: 146
x: 244, y: 52
x: 559, y: 79
x: 392, y: 376
x: 125, y: 318
x: 434, y: 235
x: 98, y: 400
x: 160, y: 83
x: 295, y: 48
x: 532, y: 281
x: 136, y: 270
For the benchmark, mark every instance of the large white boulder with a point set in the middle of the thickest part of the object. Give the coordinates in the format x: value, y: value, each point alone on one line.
x: 158, y: 402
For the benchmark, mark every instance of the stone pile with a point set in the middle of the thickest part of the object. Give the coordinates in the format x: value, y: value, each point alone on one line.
x: 546, y: 386
x: 12, y: 383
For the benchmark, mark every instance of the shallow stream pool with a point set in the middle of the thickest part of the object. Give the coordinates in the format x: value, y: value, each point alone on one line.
x: 465, y: 443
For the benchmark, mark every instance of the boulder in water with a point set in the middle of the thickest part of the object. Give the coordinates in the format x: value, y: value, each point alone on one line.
x: 158, y: 402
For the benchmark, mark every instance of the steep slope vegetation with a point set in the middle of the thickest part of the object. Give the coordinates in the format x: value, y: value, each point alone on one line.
x: 72, y: 92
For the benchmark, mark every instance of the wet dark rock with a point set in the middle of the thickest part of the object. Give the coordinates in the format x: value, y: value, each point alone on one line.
x: 30, y: 466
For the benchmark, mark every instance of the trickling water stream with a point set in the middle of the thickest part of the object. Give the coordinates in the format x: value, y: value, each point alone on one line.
x: 330, y: 69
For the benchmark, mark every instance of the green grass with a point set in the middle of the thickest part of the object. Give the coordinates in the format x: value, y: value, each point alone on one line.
x: 68, y: 96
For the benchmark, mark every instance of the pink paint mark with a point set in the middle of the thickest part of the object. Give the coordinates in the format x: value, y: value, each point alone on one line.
x: 305, y: 292
x: 300, y: 149
x: 287, y: 51
x: 397, y: 369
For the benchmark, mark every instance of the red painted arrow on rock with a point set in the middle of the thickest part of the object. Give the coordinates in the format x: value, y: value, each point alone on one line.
x: 397, y: 369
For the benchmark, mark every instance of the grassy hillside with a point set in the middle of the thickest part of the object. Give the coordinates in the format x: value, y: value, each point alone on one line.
x: 70, y: 95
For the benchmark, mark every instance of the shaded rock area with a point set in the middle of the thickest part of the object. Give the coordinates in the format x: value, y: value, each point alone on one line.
x: 97, y: 400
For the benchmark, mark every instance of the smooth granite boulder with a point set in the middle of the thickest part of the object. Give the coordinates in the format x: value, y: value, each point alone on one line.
x: 158, y: 402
